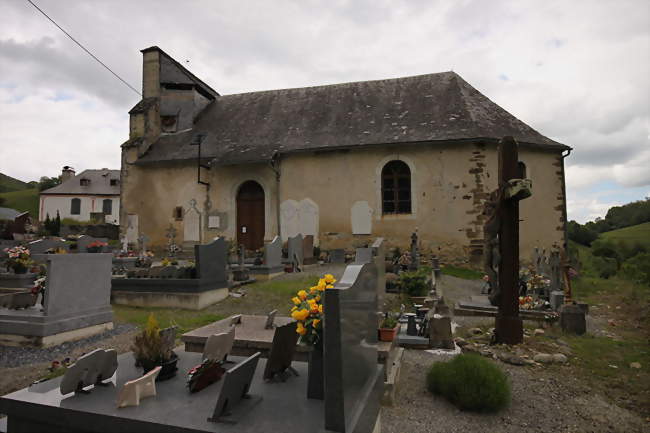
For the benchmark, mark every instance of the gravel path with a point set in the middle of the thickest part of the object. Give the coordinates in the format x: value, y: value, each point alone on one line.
x: 17, y: 356
x: 541, y: 402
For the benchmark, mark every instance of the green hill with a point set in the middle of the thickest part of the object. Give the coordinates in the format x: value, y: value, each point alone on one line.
x: 639, y: 233
x: 25, y: 200
x: 8, y: 184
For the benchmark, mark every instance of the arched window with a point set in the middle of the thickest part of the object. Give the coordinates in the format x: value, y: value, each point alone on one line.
x: 75, y: 206
x: 521, y: 167
x: 396, y: 188
x: 107, y: 206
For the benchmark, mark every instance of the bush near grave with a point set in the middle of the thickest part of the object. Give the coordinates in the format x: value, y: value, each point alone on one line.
x: 415, y: 283
x: 471, y: 383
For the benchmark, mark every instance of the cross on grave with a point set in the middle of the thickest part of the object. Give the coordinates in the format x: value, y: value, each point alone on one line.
x: 511, y: 189
x: 171, y: 240
x: 142, y: 244
x: 415, y: 256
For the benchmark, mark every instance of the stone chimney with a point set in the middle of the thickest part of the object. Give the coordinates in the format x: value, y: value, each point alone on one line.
x: 67, y: 173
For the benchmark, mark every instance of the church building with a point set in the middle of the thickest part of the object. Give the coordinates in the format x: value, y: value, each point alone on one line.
x: 345, y: 163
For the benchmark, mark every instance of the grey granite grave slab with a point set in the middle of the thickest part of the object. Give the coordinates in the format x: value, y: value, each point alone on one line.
x: 174, y: 409
x: 308, y: 250
x: 353, y: 379
x: 337, y: 255
x: 273, y: 253
x: 211, y: 260
x: 40, y: 246
x: 77, y: 295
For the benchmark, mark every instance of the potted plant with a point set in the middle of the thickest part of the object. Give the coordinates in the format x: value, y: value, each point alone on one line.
x: 388, y: 328
x: 96, y: 246
x: 19, y: 259
x: 150, y: 351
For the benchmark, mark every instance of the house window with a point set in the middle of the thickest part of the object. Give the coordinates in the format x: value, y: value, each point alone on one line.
x: 168, y: 123
x: 396, y: 188
x: 75, y: 206
x: 178, y: 213
x: 84, y: 182
x: 107, y: 206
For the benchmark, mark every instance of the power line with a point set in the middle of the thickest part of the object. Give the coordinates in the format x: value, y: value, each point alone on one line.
x: 84, y: 48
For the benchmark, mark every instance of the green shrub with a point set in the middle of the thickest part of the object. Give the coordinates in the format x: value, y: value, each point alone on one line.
x: 471, y: 383
x: 413, y: 283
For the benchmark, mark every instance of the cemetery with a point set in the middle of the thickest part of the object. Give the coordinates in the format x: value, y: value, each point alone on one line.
x: 332, y: 344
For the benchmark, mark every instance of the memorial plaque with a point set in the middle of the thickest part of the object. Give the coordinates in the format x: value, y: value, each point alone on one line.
x: 90, y: 369
x: 137, y: 389
x: 283, y: 348
x: 219, y: 346
x: 269, y: 319
x: 236, y: 384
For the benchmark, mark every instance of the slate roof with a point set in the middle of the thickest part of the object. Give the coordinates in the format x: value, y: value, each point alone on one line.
x: 252, y: 127
x: 99, y: 184
x: 7, y: 213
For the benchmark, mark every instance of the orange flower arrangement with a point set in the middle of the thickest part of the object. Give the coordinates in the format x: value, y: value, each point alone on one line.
x: 308, y: 310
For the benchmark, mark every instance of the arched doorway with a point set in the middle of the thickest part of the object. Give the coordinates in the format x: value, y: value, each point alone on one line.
x: 250, y: 215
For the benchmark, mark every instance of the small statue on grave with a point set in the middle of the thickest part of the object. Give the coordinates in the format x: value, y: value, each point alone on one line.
x: 491, y: 257
x: 404, y: 261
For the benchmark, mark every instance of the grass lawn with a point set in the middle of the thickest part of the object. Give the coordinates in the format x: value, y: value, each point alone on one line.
x: 468, y: 274
x: 639, y: 233
x: 25, y: 200
x: 185, y: 319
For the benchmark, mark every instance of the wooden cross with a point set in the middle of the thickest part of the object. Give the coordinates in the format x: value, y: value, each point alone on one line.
x: 512, y: 188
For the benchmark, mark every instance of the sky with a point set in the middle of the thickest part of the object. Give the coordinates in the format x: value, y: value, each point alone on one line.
x: 576, y: 71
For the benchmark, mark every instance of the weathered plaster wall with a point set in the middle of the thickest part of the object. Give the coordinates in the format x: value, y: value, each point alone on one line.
x: 449, y: 185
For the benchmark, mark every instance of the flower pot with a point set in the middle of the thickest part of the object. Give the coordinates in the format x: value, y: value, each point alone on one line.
x: 19, y: 268
x: 315, y: 378
x: 388, y: 334
x: 168, y: 367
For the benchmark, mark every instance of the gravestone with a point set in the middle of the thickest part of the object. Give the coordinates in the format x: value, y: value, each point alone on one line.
x: 440, y: 334
x: 295, y: 251
x: 308, y: 216
x: 556, y: 300
x: 283, y: 348
x: 289, y: 218
x: 218, y: 346
x: 361, y: 216
x: 132, y: 230
x: 270, y: 318
x: 572, y: 319
x: 308, y: 250
x: 211, y: 260
x: 337, y: 255
x: 363, y: 255
x: 90, y: 369
x: 273, y: 253
x: 379, y: 252
x: 192, y: 223
x: 415, y: 255
x: 41, y: 246
x: 353, y: 379
x: 234, y: 401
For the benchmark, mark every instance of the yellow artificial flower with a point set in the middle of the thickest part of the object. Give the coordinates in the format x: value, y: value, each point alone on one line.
x: 329, y: 286
x: 296, y: 300
x: 320, y: 309
x: 301, y: 329
x: 314, y: 307
x: 313, y: 289
x: 294, y: 308
x: 300, y: 314
x: 315, y: 322
x: 321, y: 284
x: 302, y: 295
x: 317, y: 298
x: 329, y: 279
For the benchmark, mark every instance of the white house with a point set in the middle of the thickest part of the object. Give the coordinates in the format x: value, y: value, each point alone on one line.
x: 79, y: 196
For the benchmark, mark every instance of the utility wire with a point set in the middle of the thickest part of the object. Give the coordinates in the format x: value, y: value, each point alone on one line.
x: 84, y: 48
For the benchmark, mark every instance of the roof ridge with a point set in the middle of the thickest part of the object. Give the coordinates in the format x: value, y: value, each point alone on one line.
x: 345, y: 83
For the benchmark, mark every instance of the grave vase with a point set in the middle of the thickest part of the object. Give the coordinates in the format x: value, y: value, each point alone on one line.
x: 315, y: 377
x: 19, y: 268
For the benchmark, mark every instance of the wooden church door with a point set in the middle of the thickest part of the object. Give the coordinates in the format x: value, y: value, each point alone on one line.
x: 250, y: 215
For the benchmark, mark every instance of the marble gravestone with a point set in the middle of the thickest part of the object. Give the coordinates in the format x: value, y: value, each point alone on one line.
x: 219, y: 346
x: 375, y: 254
x: 353, y: 378
x: 295, y: 251
x: 273, y: 254
x: 84, y: 278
